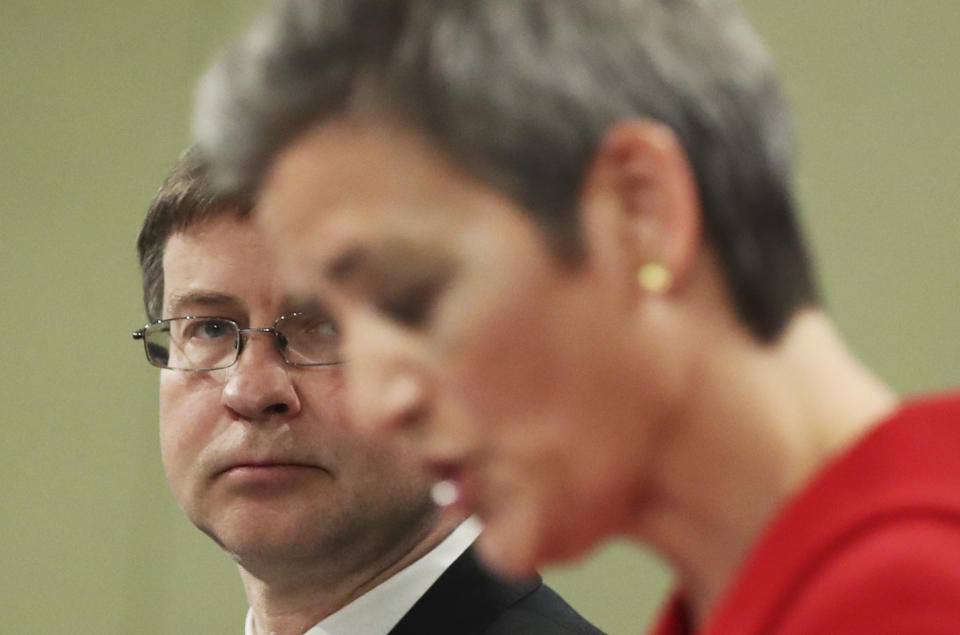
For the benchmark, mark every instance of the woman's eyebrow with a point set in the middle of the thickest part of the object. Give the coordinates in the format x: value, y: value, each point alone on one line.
x: 354, y: 262
x: 304, y: 303
x: 371, y: 267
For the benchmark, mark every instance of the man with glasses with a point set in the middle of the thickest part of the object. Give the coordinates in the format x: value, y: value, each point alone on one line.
x: 334, y: 534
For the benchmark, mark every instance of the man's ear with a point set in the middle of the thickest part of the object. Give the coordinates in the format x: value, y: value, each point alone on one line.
x: 640, y: 206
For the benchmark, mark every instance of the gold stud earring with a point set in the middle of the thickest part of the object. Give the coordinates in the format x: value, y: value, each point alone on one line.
x: 654, y: 277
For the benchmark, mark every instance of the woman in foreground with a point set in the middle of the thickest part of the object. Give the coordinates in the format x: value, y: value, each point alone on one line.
x: 560, y: 240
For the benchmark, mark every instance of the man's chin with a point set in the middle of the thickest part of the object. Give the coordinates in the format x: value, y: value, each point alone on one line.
x: 258, y: 542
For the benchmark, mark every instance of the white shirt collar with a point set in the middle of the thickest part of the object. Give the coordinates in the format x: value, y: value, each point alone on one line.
x: 379, y: 609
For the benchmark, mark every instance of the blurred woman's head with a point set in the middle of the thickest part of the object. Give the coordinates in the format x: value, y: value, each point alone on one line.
x: 543, y: 226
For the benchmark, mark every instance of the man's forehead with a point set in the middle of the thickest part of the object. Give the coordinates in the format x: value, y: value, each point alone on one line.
x: 214, y: 248
x: 224, y: 267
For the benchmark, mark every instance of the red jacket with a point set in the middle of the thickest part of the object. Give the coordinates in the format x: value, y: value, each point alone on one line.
x: 871, y: 545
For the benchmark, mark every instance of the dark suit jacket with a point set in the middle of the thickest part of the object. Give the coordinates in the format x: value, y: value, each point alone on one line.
x: 470, y: 600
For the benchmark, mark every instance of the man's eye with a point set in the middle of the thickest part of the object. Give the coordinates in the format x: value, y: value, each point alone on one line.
x: 209, y: 329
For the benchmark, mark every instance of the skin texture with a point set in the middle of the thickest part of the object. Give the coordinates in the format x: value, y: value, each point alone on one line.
x: 567, y: 403
x: 261, y: 455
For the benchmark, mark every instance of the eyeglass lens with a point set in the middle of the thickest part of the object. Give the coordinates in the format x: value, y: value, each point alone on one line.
x: 201, y: 343
x: 308, y: 339
x: 192, y: 343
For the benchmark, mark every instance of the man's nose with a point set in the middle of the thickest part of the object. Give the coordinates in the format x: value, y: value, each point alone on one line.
x: 259, y: 384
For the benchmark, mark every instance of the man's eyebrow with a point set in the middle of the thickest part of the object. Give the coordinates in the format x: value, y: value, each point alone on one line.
x: 200, y: 300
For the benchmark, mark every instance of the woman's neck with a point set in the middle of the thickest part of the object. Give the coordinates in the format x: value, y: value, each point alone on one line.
x: 760, y: 421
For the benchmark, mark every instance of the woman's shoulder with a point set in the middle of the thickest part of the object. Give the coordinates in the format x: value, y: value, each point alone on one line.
x: 900, y: 574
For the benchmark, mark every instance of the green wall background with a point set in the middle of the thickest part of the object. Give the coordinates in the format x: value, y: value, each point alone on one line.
x: 94, y: 107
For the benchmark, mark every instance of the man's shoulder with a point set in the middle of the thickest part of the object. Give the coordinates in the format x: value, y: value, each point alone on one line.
x: 541, y: 611
x: 469, y: 599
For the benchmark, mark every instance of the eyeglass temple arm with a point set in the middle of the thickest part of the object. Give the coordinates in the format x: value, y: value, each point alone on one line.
x: 138, y: 334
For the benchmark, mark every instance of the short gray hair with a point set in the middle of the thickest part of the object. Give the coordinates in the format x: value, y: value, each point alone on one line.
x: 519, y: 93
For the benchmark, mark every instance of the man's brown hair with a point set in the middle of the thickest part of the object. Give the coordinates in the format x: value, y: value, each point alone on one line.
x: 186, y: 198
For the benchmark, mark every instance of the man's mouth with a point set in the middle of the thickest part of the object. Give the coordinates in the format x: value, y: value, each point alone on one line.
x: 264, y: 473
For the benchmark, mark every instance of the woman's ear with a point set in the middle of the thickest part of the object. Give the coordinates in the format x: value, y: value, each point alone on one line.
x: 640, y: 206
